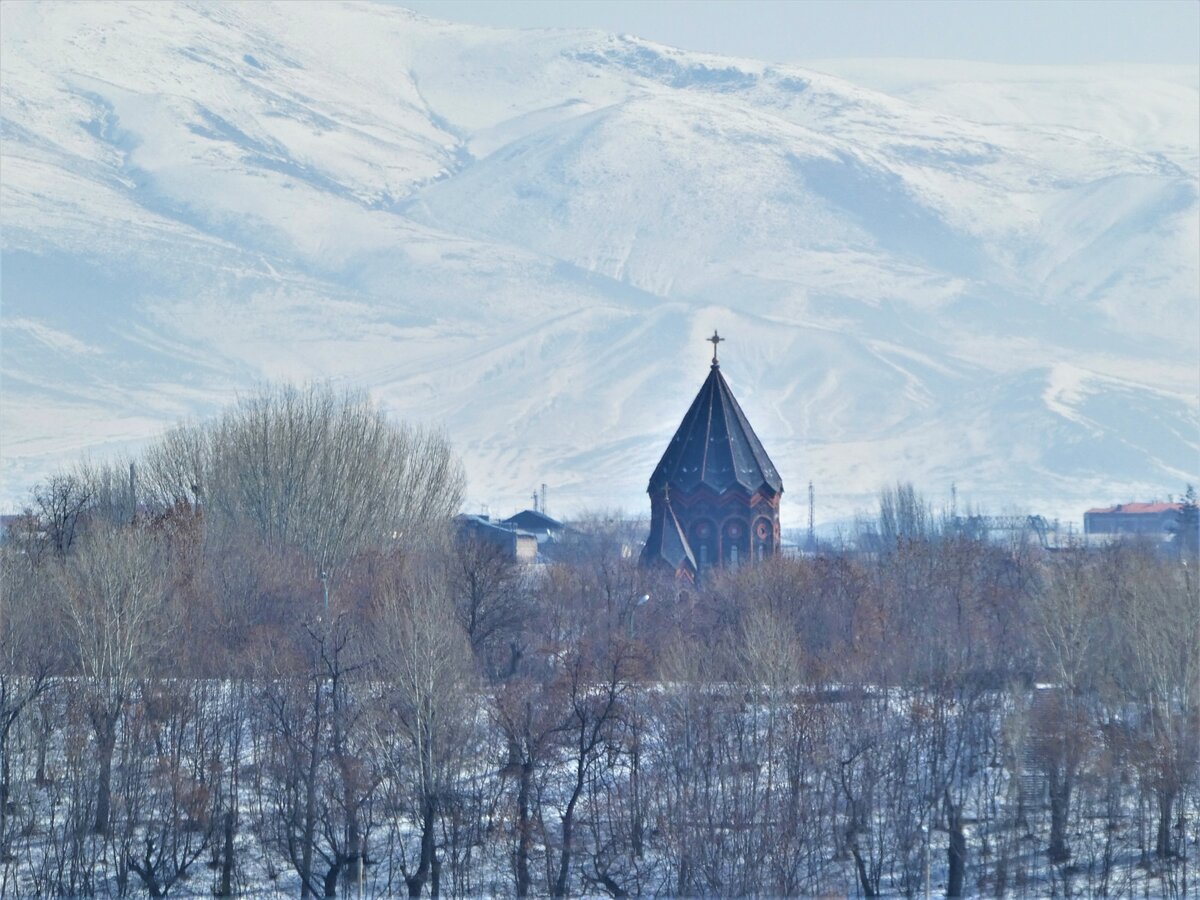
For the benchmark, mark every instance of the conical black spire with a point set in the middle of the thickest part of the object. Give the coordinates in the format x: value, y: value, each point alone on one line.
x: 715, y: 447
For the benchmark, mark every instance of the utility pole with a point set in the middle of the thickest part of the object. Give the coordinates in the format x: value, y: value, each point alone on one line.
x: 812, y: 536
x: 325, y: 584
x: 132, y: 493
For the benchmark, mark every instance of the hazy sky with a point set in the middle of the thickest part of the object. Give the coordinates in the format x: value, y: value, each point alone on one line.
x: 1016, y: 31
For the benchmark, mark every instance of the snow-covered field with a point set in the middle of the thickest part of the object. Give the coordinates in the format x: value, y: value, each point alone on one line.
x: 739, y: 797
x: 937, y: 272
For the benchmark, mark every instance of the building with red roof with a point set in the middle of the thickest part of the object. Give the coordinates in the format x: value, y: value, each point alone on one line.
x: 1154, y: 519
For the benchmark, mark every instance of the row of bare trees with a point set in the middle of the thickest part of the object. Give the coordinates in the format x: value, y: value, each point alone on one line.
x: 181, y: 714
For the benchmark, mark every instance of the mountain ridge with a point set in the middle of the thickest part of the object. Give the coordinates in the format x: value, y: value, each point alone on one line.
x: 525, y: 237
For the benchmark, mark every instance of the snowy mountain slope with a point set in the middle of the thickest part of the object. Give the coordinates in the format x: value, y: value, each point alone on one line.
x: 526, y: 236
x: 1150, y: 108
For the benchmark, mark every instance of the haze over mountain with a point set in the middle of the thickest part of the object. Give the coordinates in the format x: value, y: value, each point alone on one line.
x: 937, y: 272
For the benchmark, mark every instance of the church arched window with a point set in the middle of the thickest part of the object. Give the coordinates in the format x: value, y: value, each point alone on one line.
x: 736, y: 542
x: 704, y: 543
x: 764, y: 534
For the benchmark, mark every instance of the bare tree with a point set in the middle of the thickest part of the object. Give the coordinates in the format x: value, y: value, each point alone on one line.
x: 28, y: 655
x: 904, y: 515
x: 1155, y: 613
x: 60, y: 506
x: 593, y: 689
x: 116, y: 492
x: 113, y: 591
x: 310, y: 468
x: 1070, y: 621
x: 320, y: 778
x: 293, y: 754
x: 180, y: 466
x: 491, y: 600
x: 163, y: 824
x: 526, y: 717
x: 424, y: 661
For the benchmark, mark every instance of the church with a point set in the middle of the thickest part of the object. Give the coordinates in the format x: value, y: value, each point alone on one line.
x: 714, y: 496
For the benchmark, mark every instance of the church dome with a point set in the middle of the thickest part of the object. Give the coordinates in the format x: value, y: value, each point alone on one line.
x: 715, y: 447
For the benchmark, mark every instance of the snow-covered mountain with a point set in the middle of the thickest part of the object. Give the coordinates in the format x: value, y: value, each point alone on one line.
x: 933, y: 272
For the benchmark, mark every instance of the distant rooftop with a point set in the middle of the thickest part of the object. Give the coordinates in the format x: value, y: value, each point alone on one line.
x: 1138, y: 508
x: 533, y: 520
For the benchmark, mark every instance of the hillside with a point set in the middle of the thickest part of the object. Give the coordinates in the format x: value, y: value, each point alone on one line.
x: 940, y: 273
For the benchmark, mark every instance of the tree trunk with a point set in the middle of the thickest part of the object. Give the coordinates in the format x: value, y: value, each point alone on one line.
x: 43, y: 743
x: 957, y: 852
x: 310, y: 810
x: 4, y: 788
x: 637, y: 827
x: 331, y: 879
x: 1060, y: 801
x: 863, y: 878
x: 226, y: 887
x: 106, y: 742
x: 146, y: 871
x: 353, y: 843
x: 1162, y: 843
x: 684, y: 883
x: 524, y: 829
x: 568, y: 835
x: 417, y: 881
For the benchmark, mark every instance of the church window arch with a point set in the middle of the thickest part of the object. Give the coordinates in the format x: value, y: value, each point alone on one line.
x: 764, y: 538
x: 703, y: 538
x: 735, y: 542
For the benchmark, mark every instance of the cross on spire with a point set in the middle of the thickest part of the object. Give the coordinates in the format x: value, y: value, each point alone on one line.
x: 714, y: 340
